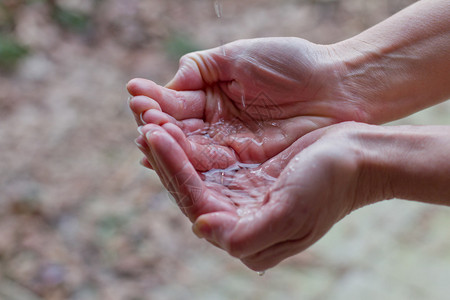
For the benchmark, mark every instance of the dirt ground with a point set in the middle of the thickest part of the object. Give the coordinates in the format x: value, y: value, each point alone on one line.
x: 80, y: 219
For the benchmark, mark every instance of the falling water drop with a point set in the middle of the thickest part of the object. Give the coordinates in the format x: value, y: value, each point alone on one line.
x: 261, y: 273
x: 218, y: 8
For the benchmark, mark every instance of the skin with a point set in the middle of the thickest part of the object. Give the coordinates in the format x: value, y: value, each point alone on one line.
x: 310, y: 186
x: 271, y: 102
x: 257, y: 94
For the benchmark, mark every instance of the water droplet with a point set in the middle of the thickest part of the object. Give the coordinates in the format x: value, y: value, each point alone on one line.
x: 224, y: 53
x: 243, y: 99
x: 218, y: 8
x: 261, y: 273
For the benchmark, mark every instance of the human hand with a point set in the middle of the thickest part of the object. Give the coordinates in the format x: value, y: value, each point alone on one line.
x: 264, y: 214
x: 248, y: 100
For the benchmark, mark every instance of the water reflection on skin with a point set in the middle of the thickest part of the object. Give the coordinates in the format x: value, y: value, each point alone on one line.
x: 246, y: 185
x: 244, y: 182
x: 218, y: 8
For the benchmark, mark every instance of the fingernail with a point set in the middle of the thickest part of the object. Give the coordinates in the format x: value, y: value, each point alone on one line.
x: 148, y: 135
x: 139, y: 129
x: 141, y: 116
x: 129, y: 99
x: 138, y: 144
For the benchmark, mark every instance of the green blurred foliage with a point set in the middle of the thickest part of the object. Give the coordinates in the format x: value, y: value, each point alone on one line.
x: 71, y: 20
x: 178, y: 44
x: 11, y: 52
x: 109, y: 225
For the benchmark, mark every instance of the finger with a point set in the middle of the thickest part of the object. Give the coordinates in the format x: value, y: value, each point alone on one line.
x: 149, y: 160
x: 150, y: 157
x: 201, y: 152
x: 204, y: 157
x: 157, y: 117
x: 254, y: 231
x: 202, y: 68
x: 212, y: 156
x: 164, y: 177
x: 179, y: 104
x: 141, y: 104
x: 145, y: 163
x: 179, y: 136
x: 188, y: 76
x: 214, y: 226
x: 143, y: 147
x: 188, y: 189
x: 192, y: 126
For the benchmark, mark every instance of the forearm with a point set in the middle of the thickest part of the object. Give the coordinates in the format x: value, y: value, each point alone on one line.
x: 408, y: 162
x: 402, y: 64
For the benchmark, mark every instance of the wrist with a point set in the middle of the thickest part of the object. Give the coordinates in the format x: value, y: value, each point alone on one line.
x: 370, y: 78
x: 406, y: 162
x: 399, y: 66
x: 371, y: 176
x: 355, y: 162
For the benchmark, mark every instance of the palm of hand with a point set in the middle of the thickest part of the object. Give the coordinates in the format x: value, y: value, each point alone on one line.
x: 261, y: 108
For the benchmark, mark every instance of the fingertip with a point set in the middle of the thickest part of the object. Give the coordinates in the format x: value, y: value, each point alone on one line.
x: 139, y: 143
x: 179, y: 136
x: 132, y: 84
x: 147, y: 131
x: 201, y: 228
x: 141, y: 119
x: 216, y: 227
x: 155, y: 137
x: 140, y: 104
x: 143, y: 87
x: 170, y: 127
x: 145, y: 163
x: 188, y: 76
x: 155, y: 116
x: 139, y: 130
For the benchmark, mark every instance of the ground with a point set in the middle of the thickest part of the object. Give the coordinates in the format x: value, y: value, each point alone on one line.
x: 80, y: 219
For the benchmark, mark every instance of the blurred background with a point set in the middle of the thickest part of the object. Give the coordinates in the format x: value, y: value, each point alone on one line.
x: 80, y: 219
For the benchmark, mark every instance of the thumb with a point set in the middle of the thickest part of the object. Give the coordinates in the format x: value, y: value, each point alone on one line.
x: 215, y: 227
x: 201, y: 68
x: 188, y: 76
x: 243, y: 235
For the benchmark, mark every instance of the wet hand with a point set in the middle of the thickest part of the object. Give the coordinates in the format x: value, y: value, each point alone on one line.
x: 248, y: 100
x: 263, y: 214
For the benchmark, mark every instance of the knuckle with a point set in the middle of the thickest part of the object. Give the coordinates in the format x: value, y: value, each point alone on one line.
x: 184, y: 59
x: 187, y: 59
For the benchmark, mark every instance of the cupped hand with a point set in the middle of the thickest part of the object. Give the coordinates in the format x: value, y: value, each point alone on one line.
x: 248, y: 100
x: 264, y: 213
